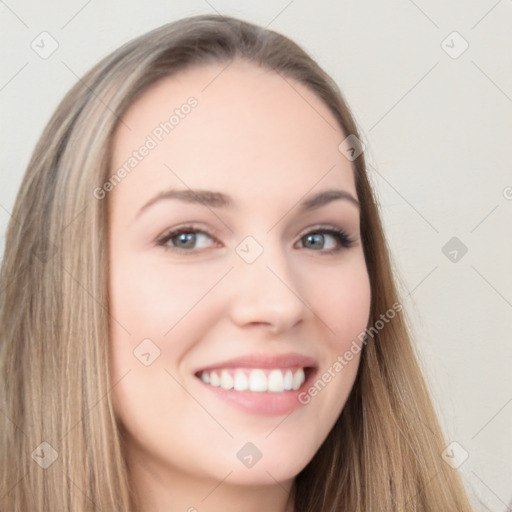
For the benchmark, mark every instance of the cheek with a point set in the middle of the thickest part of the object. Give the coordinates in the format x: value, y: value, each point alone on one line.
x: 167, y: 305
x: 151, y: 298
x: 157, y: 316
x: 341, y: 298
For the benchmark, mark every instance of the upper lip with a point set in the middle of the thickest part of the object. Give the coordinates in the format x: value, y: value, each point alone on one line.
x: 286, y: 360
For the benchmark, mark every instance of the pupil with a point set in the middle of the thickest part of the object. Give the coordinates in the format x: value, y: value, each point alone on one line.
x: 185, y: 238
x: 316, y: 239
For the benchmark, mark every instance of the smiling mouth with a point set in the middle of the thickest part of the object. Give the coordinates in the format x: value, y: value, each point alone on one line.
x: 258, y: 380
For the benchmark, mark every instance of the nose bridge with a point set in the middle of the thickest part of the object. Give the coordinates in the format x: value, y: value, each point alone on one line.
x: 268, y: 290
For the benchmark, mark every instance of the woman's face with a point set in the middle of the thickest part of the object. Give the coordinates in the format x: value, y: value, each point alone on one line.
x: 224, y: 301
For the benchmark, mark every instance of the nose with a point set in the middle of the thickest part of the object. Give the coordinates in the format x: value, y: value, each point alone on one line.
x: 268, y: 294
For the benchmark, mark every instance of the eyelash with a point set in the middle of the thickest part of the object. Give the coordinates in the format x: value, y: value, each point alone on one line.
x: 343, y: 239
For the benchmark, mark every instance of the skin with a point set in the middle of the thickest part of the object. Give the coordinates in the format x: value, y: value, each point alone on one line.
x: 268, y: 145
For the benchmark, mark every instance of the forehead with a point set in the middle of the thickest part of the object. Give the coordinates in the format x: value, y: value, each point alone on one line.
x: 249, y: 132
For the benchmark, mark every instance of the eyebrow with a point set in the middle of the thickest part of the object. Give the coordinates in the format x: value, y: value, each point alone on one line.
x: 214, y: 199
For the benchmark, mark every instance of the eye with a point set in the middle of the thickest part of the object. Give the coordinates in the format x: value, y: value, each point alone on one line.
x: 190, y: 238
x: 327, y: 240
x: 186, y: 238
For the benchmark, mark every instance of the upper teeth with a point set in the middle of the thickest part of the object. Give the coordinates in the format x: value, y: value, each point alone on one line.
x: 276, y: 380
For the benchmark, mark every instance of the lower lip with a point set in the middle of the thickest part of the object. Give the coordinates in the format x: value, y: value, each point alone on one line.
x: 265, y: 403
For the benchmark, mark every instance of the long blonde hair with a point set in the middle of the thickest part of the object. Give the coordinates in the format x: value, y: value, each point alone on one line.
x: 384, y: 452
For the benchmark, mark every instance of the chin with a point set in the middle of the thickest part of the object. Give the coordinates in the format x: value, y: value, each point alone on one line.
x: 269, y: 464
